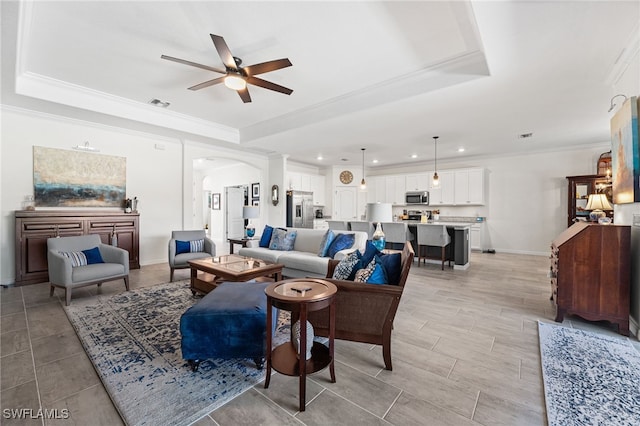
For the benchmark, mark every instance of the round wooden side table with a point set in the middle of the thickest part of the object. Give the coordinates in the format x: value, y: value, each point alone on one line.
x: 300, y: 296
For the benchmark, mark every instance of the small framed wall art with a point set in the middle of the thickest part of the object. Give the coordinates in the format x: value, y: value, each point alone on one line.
x: 215, y: 201
x: 255, y: 190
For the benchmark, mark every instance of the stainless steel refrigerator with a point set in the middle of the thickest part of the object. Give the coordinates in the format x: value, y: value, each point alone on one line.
x: 300, y: 209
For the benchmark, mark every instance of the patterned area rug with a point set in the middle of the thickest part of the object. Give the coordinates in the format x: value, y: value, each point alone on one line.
x: 133, y: 340
x: 589, y: 378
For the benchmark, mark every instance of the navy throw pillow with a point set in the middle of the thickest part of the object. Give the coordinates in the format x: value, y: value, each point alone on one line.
x: 369, y: 253
x: 340, y: 242
x: 183, y: 247
x: 266, y: 236
x: 93, y: 256
x: 392, y: 264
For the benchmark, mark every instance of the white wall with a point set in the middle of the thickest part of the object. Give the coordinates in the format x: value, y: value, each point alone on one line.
x: 162, y: 179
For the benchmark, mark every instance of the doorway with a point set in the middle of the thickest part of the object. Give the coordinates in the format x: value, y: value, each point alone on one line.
x: 235, y: 200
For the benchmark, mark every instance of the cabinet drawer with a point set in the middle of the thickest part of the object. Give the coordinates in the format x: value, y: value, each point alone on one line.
x: 110, y: 224
x: 39, y: 227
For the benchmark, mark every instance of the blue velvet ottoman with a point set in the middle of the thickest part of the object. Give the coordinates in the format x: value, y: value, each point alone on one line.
x: 229, y: 322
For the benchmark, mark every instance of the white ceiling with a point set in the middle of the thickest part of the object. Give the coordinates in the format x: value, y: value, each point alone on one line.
x: 385, y: 76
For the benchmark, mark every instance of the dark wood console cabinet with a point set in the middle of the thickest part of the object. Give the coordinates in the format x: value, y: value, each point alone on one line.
x: 590, y: 273
x: 34, y: 227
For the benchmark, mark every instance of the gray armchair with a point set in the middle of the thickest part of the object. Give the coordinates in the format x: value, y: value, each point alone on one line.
x: 180, y: 261
x: 63, y: 274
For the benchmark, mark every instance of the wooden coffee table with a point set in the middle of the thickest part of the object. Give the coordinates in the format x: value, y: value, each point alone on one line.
x: 206, y: 274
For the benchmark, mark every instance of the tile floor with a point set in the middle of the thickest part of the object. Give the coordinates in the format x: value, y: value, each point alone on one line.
x: 465, y: 352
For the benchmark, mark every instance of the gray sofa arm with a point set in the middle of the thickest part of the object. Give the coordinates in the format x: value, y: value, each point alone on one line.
x: 111, y: 254
x: 60, y: 268
x: 209, y: 246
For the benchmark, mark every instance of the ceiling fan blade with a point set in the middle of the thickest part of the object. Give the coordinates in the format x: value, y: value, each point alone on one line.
x: 193, y: 64
x: 224, y: 52
x: 267, y: 66
x: 244, y: 95
x: 268, y: 85
x: 207, y: 83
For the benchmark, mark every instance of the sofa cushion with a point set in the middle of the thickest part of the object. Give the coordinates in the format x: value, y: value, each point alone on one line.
x: 341, y: 242
x: 281, y: 239
x: 266, y: 236
x: 97, y: 271
x: 304, y: 261
x: 345, y: 268
x: 262, y: 253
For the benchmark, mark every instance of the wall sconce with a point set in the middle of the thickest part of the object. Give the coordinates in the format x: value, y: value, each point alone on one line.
x: 86, y: 147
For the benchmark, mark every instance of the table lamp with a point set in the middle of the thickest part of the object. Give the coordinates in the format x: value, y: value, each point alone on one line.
x: 597, y: 203
x: 377, y: 213
x: 250, y: 212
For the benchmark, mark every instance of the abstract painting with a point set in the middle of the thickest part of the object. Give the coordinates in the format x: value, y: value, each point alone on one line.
x: 63, y: 178
x: 625, y: 153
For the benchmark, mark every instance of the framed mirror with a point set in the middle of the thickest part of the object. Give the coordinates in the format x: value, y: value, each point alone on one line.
x: 275, y: 195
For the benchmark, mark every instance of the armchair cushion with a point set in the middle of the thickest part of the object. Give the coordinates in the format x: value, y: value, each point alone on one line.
x: 84, y: 257
x: 341, y: 242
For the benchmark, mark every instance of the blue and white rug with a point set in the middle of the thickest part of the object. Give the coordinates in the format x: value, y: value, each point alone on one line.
x: 133, y: 340
x: 589, y: 378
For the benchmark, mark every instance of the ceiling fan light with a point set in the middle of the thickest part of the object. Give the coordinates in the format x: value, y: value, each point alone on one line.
x: 235, y: 82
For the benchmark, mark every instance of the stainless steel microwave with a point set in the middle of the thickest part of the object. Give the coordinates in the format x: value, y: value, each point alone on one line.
x: 417, y: 197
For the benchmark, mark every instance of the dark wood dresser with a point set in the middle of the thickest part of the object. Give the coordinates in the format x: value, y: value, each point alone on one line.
x: 590, y: 272
x: 33, y: 227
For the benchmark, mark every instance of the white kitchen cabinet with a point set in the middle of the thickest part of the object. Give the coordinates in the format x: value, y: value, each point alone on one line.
x: 344, y: 203
x: 469, y: 187
x: 318, y: 187
x: 295, y: 181
x: 395, y: 189
x: 305, y: 182
x: 476, y: 236
x: 377, y: 193
x: 443, y: 194
x: 418, y: 182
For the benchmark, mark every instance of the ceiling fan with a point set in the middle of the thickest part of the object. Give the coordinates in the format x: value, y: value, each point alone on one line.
x: 237, y: 77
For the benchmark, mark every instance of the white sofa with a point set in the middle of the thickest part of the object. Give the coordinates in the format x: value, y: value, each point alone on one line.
x: 303, y: 260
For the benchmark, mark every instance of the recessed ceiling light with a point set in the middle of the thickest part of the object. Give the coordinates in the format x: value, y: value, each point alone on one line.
x: 319, y: 157
x: 525, y: 135
x: 375, y: 161
x: 414, y: 155
x: 461, y: 149
x: 159, y: 103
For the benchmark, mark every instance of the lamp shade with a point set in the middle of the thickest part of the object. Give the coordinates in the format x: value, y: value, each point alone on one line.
x: 379, y: 212
x: 250, y: 212
x: 598, y: 202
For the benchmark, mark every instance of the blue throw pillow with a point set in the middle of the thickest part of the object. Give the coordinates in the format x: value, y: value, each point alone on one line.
x: 392, y: 264
x: 369, y: 253
x: 182, y: 247
x: 341, y: 242
x: 378, y: 276
x: 93, y: 256
x: 266, y: 236
x: 327, y: 239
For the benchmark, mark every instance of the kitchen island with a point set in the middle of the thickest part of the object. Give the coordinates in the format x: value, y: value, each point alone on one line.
x: 458, y: 230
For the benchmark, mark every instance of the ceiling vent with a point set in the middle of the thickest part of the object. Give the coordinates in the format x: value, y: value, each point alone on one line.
x: 525, y: 135
x: 159, y: 103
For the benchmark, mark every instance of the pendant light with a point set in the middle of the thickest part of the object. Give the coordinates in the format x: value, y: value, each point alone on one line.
x: 363, y: 184
x: 436, y: 180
